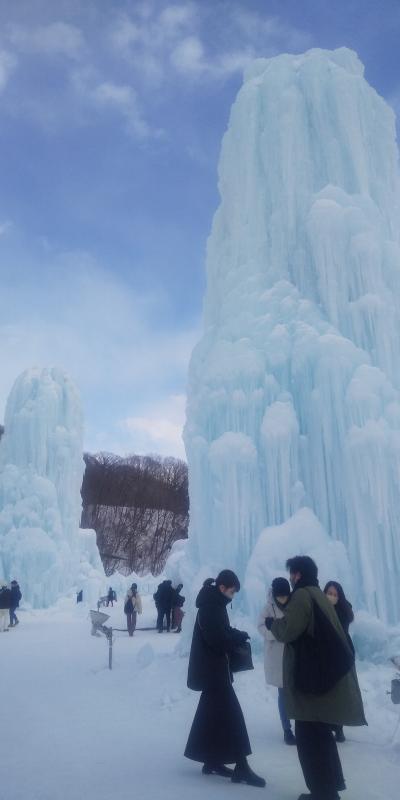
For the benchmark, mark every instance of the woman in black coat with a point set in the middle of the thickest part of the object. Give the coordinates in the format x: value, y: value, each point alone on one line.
x: 218, y: 735
x: 335, y: 593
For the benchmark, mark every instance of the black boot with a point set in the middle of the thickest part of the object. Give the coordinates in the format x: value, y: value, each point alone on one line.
x: 244, y: 774
x: 217, y: 769
x: 339, y: 735
x: 289, y: 737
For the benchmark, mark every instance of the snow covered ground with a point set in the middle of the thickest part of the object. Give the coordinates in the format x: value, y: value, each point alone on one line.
x: 73, y: 730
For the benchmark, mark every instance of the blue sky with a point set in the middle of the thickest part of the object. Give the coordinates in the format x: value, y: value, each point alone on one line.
x: 112, y: 115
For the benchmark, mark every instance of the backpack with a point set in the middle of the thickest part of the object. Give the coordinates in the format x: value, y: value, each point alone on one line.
x: 321, y: 660
x: 128, y: 607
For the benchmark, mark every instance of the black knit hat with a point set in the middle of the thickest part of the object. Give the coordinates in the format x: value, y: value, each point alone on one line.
x: 280, y: 587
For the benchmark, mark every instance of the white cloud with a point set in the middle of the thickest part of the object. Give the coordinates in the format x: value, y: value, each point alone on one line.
x: 188, y: 56
x: 107, y: 337
x: 123, y: 99
x: 176, y: 40
x: 8, y: 63
x: 270, y: 33
x: 56, y: 38
x: 176, y: 18
x: 125, y: 33
x: 146, y: 37
x: 159, y: 429
x: 109, y: 96
x: 5, y: 227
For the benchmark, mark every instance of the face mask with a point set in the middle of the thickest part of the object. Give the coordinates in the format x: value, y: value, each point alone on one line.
x: 229, y: 593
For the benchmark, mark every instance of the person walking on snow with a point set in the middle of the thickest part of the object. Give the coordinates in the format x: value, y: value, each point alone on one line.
x: 16, y: 597
x: 132, y: 607
x: 163, y: 599
x: 278, y: 598
x: 334, y: 592
x: 110, y: 597
x: 218, y: 735
x: 319, y: 679
x: 5, y: 605
x: 177, y: 609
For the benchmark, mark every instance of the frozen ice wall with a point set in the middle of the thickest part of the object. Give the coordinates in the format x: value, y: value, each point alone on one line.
x: 294, y: 387
x: 41, y: 469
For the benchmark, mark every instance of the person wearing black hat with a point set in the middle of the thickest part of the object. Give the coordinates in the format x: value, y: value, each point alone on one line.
x: 278, y: 598
x: 218, y: 735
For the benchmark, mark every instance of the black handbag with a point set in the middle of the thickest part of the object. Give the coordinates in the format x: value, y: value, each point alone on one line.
x: 321, y: 660
x: 240, y: 658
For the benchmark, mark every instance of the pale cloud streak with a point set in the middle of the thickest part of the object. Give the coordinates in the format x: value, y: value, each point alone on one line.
x: 8, y: 63
x: 5, y: 227
x: 54, y: 39
x: 124, y: 100
x: 159, y: 429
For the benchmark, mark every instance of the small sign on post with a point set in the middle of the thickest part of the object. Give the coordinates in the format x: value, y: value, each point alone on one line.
x: 98, y: 627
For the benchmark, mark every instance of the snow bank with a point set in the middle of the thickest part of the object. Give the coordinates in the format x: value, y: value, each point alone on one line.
x: 302, y: 534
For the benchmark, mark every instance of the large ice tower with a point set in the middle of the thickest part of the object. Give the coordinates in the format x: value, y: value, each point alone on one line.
x: 41, y: 469
x: 293, y: 394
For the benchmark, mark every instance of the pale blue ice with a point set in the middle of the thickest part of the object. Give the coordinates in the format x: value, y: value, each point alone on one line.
x: 293, y: 402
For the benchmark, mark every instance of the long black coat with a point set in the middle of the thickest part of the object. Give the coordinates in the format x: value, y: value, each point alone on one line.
x: 164, y: 596
x: 212, y: 642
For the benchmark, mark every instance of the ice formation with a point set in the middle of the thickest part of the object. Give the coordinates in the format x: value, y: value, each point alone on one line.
x: 41, y: 469
x: 293, y: 398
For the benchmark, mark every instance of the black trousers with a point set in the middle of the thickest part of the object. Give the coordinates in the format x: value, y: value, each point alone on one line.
x: 163, y: 612
x: 218, y: 734
x: 319, y: 759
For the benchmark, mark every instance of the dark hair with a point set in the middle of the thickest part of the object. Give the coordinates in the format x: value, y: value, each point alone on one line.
x: 229, y: 579
x: 343, y: 608
x: 280, y: 587
x: 306, y: 566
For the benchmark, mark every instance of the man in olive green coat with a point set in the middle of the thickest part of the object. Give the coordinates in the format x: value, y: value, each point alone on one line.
x: 315, y: 713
